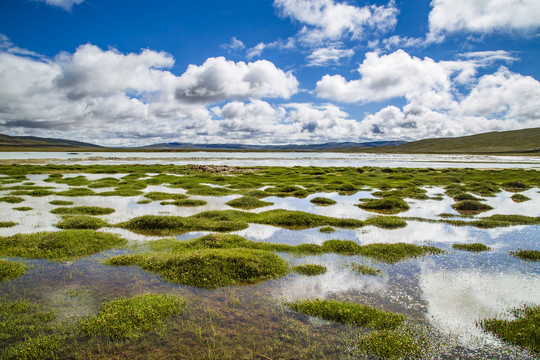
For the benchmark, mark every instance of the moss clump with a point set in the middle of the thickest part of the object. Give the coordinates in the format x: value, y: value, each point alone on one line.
x: 248, y: 202
x: 33, y: 193
x: 520, y: 198
x: 144, y: 201
x: 81, y: 222
x: 392, y: 344
x: 82, y: 210
x: 515, y: 186
x: 121, y: 192
x: 60, y: 245
x: 464, y: 196
x: 160, y: 196
x: 309, y: 269
x: 471, y: 207
x: 391, y: 253
x: 11, y: 199
x: 475, y: 247
x: 322, y: 201
x: 185, y: 202
x: 386, y: 222
x: 327, y: 230
x: 344, y: 247
x: 523, y: 331
x: 364, y: 269
x: 131, y: 317
x: 11, y: 269
x: 210, y: 191
x: 529, y: 255
x: 75, y: 192
x: 61, y: 202
x: 7, y: 224
x: 385, y: 205
x: 23, y: 208
x: 210, y: 268
x: 161, y: 225
x: 300, y: 219
x: 348, y: 313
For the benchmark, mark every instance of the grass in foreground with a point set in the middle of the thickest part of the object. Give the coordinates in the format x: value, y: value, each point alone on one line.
x: 60, y: 245
x: 131, y: 317
x: 83, y: 210
x: 393, y: 344
x: 210, y: 268
x: 11, y: 269
x: 309, y: 269
x: 523, y: 331
x: 529, y: 255
x: 474, y: 247
x: 348, y: 313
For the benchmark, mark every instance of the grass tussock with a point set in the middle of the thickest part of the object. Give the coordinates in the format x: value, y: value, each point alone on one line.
x: 348, y: 313
x: 7, y: 224
x: 61, y: 202
x: 327, y: 230
x: 523, y: 331
x: 515, y: 186
x: 83, y: 210
x: 322, y: 201
x: 529, y: 255
x: 385, y: 205
x: 520, y: 198
x: 475, y: 247
x: 392, y: 253
x: 33, y: 193
x: 185, y: 202
x: 161, y: 196
x: 386, y: 222
x: 60, y: 245
x: 393, y: 344
x: 11, y: 269
x: 11, y: 199
x: 132, y: 317
x: 81, y: 222
x: 210, y: 268
x: 23, y: 208
x: 248, y: 202
x: 471, y: 207
x: 76, y: 192
x: 364, y: 269
x: 309, y: 269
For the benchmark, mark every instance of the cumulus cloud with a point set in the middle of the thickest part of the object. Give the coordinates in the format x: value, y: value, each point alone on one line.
x: 482, y: 16
x: 64, y: 4
x: 219, y: 79
x: 330, y: 20
x: 233, y: 44
x: 328, y: 56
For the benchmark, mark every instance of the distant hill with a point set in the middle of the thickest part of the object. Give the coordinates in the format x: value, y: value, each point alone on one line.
x: 503, y: 142
x: 39, y: 142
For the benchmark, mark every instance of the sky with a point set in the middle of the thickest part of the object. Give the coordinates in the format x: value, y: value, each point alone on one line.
x: 135, y: 73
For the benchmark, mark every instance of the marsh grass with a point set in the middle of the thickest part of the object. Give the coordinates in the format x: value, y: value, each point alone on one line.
x: 121, y: 192
x: 348, y: 313
x: 520, y: 198
x: 386, y: 222
x: 7, y: 224
x: 60, y: 245
x: 393, y: 344
x: 529, y: 255
x: 83, y: 210
x: 161, y: 196
x: 523, y: 331
x: 185, y: 202
x: 248, y: 202
x: 81, y: 222
x: 322, y: 201
x: 309, y: 269
x: 515, y: 186
x: 132, y: 317
x: 392, y: 253
x: 327, y: 230
x: 11, y: 199
x: 11, y: 269
x: 75, y: 192
x: 471, y: 207
x: 61, y: 202
x: 33, y: 193
x: 390, y: 205
x: 364, y: 269
x: 474, y: 247
x: 494, y: 221
x: 23, y: 208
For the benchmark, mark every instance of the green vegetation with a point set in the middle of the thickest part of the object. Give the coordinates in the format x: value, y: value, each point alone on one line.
x: 61, y: 245
x: 523, y: 331
x: 7, y: 224
x: 471, y: 207
x: 529, y: 255
x: 520, y: 198
x: 494, y: 221
x: 364, y: 269
x: 475, y: 247
x: 515, y: 186
x: 386, y: 222
x: 33, y: 193
x: 348, y: 313
x: 327, y: 230
x: 210, y: 191
x: 391, y: 253
x: 82, y: 210
x: 160, y: 196
x: 185, y: 202
x: 322, y: 201
x: 74, y: 192
x: 81, y: 222
x: 385, y: 205
x: 11, y: 269
x: 23, y: 208
x: 393, y: 344
x: 131, y: 317
x: 61, y: 202
x: 309, y: 269
x: 121, y: 192
x: 343, y: 247
x: 248, y: 202
x: 403, y: 192
x: 210, y: 268
x: 11, y: 199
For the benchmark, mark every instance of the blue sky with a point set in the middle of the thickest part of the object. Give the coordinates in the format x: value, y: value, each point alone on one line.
x: 267, y: 72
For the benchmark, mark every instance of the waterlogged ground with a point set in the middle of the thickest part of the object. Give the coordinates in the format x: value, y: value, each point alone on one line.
x: 444, y: 295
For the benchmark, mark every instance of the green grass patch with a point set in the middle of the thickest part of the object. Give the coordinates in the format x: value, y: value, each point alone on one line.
x: 343, y: 247
x: 161, y: 196
x: 210, y: 268
x: 11, y: 199
x: 474, y: 247
x: 75, y: 192
x: 520, y: 198
x: 60, y: 245
x: 11, y: 269
x: 364, y: 269
x: 309, y: 269
x: 144, y: 201
x: 322, y: 201
x: 471, y: 207
x: 82, y: 222
x: 523, y: 331
x: 33, y: 193
x: 121, y: 192
x: 327, y: 230
x: 515, y: 186
x: 386, y: 222
x: 392, y: 344
x: 392, y: 253
x: 210, y: 191
x: 248, y: 202
x: 348, y: 313
x: 82, y: 210
x: 464, y: 196
x: 185, y: 202
x: 23, y: 208
x: 61, y: 202
x: 385, y: 205
x: 7, y: 224
x: 529, y: 255
x: 132, y: 317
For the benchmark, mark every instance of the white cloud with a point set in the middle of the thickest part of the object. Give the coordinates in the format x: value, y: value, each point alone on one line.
x: 328, y: 56
x: 233, y: 44
x: 64, y: 4
x: 482, y: 16
x: 218, y: 80
x: 256, y: 50
x: 329, y: 20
